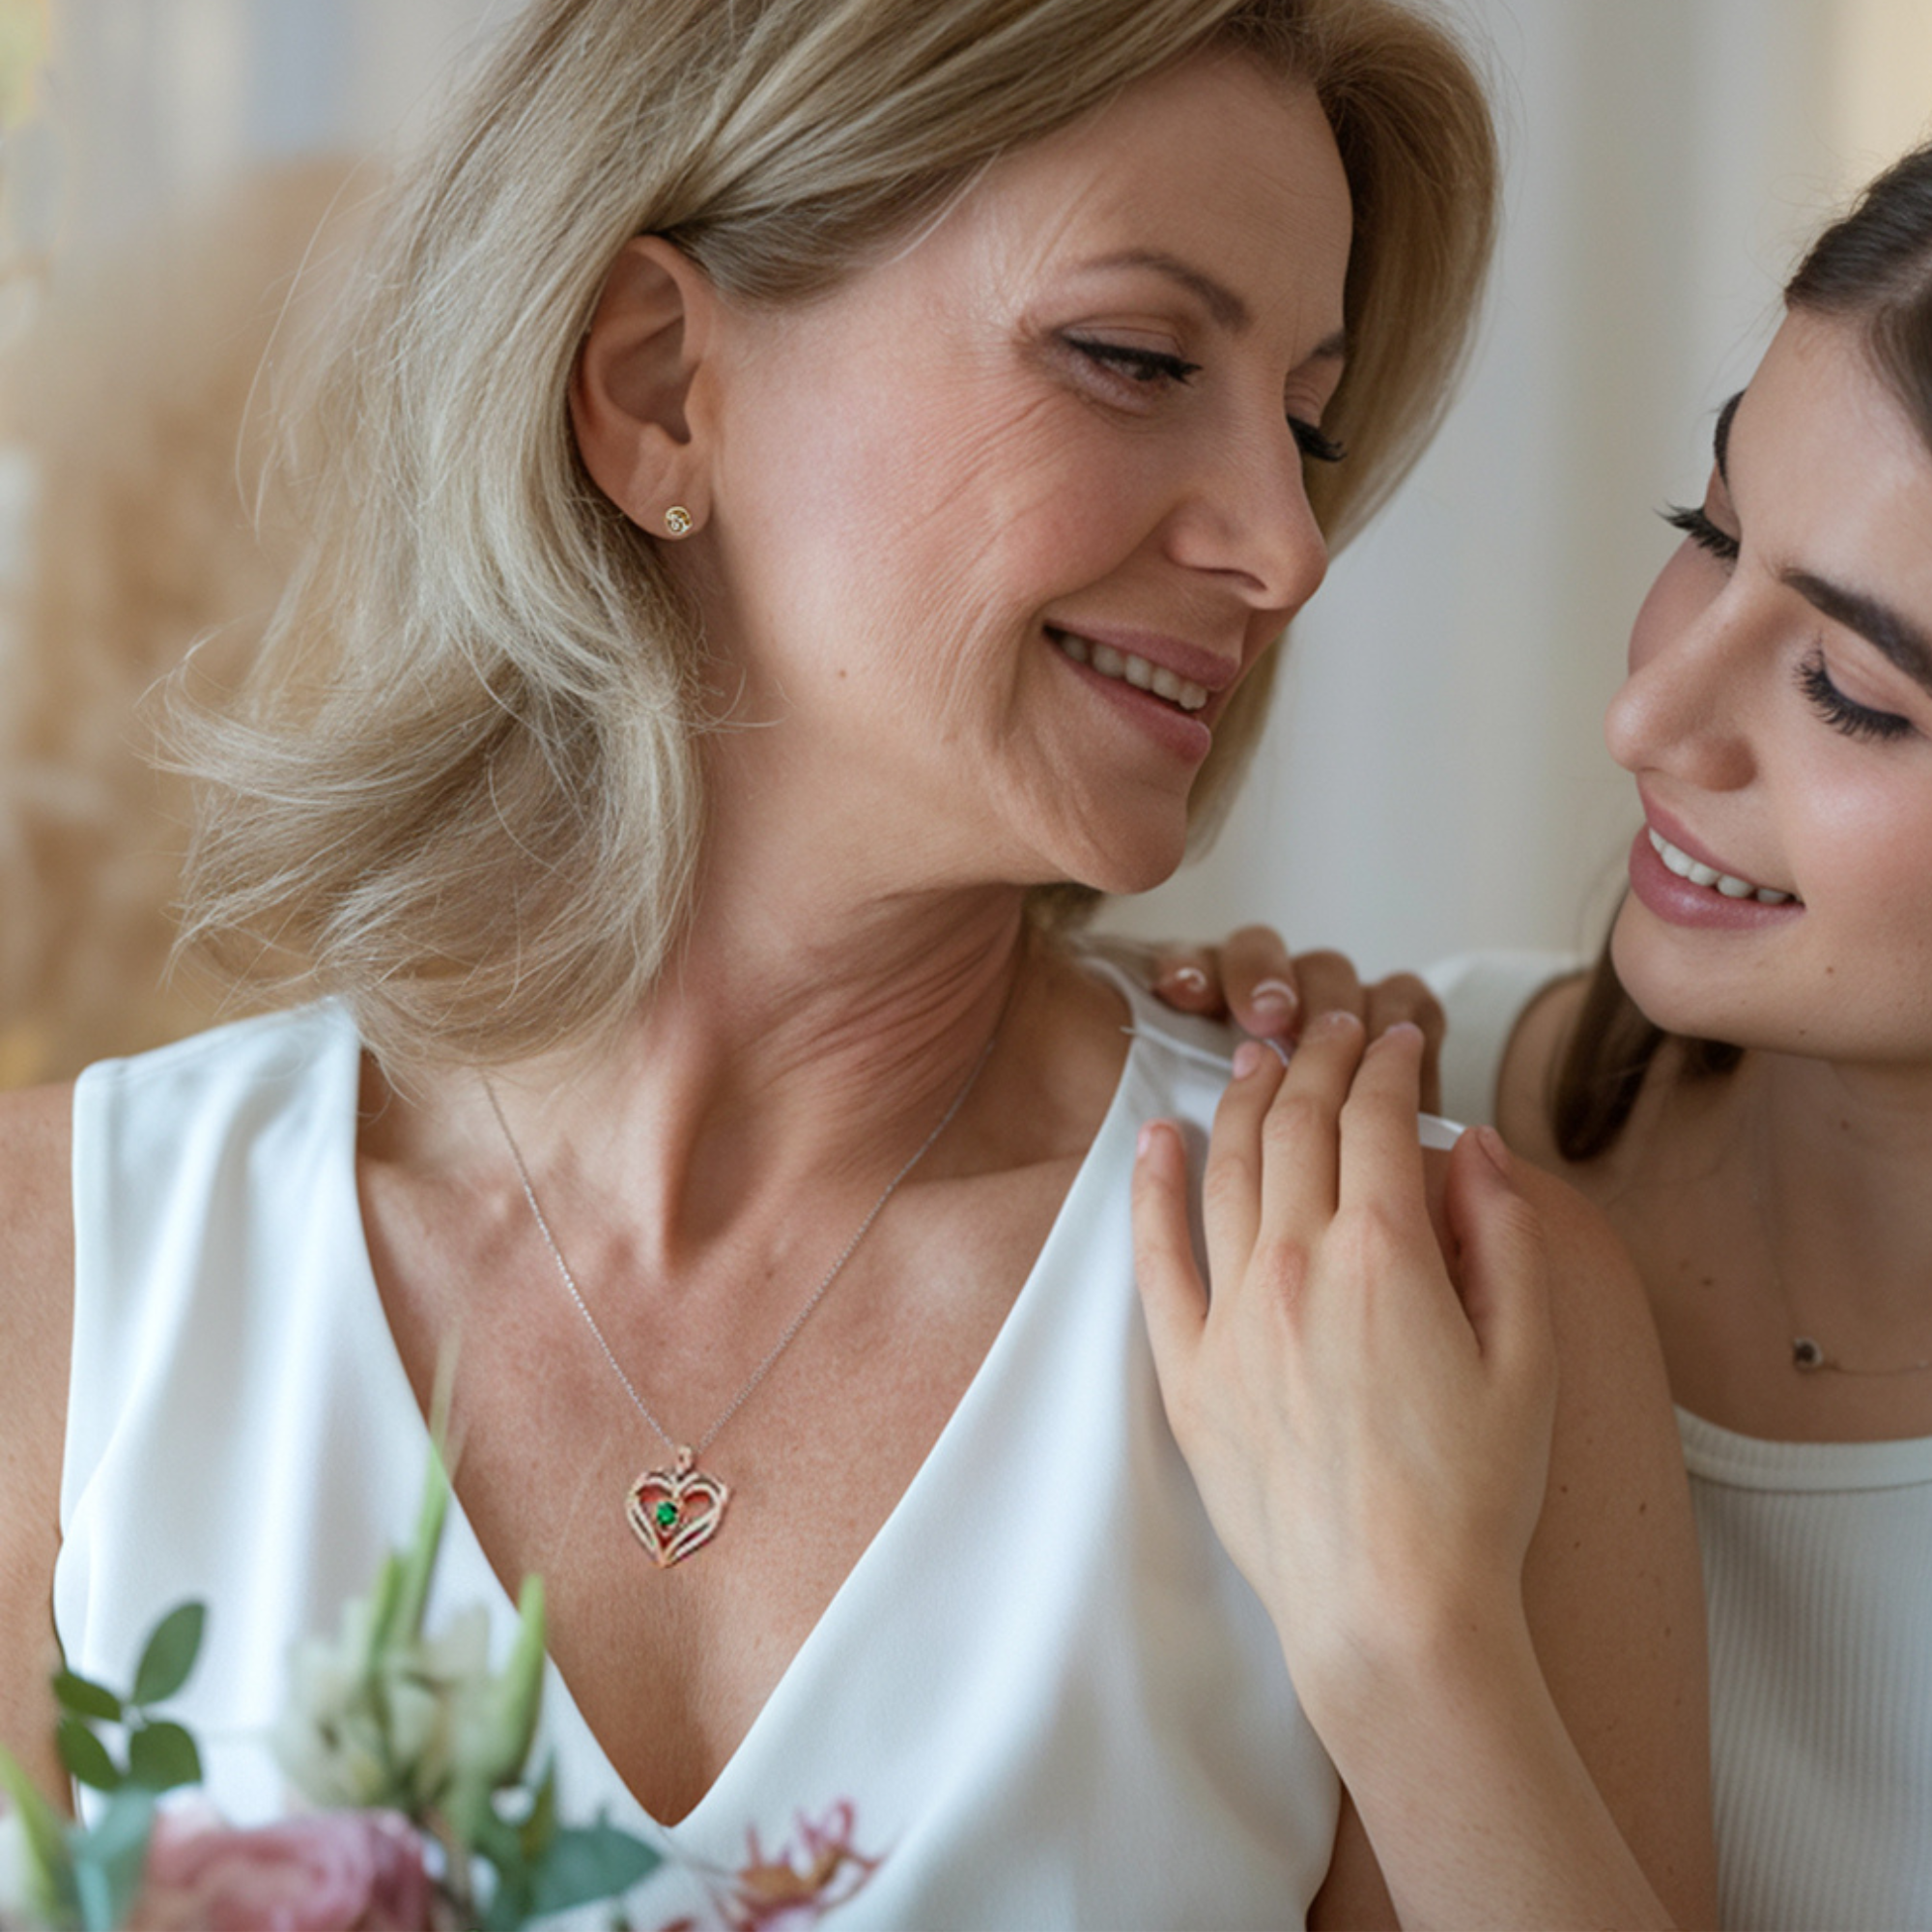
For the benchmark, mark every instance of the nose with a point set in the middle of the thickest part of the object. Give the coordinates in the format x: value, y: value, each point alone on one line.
x: 1248, y: 519
x: 1682, y: 708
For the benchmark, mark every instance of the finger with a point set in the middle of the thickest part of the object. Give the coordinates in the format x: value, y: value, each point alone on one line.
x: 1173, y: 1294
x: 1232, y: 1182
x: 1302, y: 1153
x: 1260, y: 981
x: 1188, y: 977
x: 1502, y: 1265
x: 1405, y: 996
x: 1381, y: 1158
x: 1328, y: 984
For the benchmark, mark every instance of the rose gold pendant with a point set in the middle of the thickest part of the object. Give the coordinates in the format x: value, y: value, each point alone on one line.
x: 677, y: 1511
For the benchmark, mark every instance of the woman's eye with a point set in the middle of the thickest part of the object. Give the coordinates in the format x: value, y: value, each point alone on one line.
x: 1702, y: 531
x: 1146, y: 366
x: 1313, y: 444
x: 1842, y: 713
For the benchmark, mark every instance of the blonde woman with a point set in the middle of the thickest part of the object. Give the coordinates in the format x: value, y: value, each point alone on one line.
x: 801, y: 495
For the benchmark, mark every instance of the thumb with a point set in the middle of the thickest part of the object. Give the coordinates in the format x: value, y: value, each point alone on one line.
x: 1502, y: 1265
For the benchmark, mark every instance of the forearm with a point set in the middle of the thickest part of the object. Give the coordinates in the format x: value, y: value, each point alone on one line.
x: 1481, y: 1811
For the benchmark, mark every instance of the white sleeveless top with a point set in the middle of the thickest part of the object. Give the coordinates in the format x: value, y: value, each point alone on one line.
x: 1043, y: 1698
x: 1818, y: 1573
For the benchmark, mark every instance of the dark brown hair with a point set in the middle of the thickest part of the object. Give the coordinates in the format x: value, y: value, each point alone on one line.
x: 1873, y: 265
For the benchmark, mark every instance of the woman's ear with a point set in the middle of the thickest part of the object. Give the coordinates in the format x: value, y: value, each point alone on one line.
x: 636, y: 401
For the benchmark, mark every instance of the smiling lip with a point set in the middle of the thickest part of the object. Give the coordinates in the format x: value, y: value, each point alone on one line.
x: 1178, y: 719
x: 1662, y: 887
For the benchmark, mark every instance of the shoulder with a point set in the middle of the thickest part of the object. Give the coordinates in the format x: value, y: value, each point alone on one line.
x: 36, y: 1319
x: 1613, y: 1582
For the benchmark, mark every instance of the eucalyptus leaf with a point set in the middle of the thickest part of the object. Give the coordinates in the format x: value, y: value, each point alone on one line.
x: 85, y: 1755
x: 85, y: 1698
x: 160, y: 1757
x: 170, y: 1654
x: 588, y: 1861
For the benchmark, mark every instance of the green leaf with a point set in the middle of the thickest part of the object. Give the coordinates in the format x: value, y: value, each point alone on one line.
x: 86, y: 1699
x: 588, y: 1863
x: 51, y: 1874
x: 108, y: 1857
x: 420, y: 1564
x: 161, y: 1756
x: 170, y: 1654
x: 537, y: 1832
x: 85, y: 1755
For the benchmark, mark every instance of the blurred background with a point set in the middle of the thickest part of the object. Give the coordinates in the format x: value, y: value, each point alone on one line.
x: 1433, y: 778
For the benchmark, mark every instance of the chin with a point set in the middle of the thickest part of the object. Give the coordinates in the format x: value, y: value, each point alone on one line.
x: 1666, y: 990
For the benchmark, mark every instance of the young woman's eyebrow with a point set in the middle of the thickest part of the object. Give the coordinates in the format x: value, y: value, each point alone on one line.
x: 1895, y: 636
x: 1721, y: 439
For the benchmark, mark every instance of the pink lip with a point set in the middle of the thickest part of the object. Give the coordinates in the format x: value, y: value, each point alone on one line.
x: 1681, y: 902
x: 1210, y: 670
x: 1670, y: 829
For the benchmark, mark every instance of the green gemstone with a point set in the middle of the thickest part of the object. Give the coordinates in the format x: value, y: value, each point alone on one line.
x: 666, y: 1515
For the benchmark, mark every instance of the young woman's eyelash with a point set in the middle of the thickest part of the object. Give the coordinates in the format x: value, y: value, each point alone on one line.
x: 1701, y: 531
x: 1841, y: 713
x: 1313, y: 444
x: 1140, y: 365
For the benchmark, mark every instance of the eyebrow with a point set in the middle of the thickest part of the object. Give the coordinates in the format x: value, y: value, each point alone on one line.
x: 1721, y: 439
x: 1896, y: 637
x: 1221, y: 302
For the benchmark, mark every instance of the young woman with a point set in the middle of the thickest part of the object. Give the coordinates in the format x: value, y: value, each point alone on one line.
x: 1744, y: 1083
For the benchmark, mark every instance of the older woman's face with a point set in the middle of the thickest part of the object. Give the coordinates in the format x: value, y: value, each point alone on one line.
x: 996, y: 529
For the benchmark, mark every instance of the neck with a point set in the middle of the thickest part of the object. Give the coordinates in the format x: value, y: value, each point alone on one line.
x: 1837, y: 1158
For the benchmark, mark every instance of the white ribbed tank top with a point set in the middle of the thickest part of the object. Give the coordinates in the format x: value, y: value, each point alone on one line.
x: 1043, y: 1696
x: 1818, y: 1573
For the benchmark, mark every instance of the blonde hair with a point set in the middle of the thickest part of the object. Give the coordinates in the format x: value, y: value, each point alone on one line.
x: 460, y: 788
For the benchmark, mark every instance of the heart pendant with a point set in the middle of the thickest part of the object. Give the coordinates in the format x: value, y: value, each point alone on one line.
x: 677, y: 1511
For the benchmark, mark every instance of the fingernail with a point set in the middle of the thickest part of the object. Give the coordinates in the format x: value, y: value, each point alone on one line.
x: 1340, y: 1020
x: 1275, y: 1047
x: 1492, y: 1144
x: 1403, y: 1030
x: 1148, y: 1136
x: 1275, y: 1001
x: 1188, y: 980
x: 1250, y: 1056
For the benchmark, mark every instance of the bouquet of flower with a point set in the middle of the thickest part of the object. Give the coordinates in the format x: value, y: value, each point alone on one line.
x: 414, y: 1752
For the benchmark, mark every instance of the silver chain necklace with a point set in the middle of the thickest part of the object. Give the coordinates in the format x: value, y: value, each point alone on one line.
x: 675, y: 1512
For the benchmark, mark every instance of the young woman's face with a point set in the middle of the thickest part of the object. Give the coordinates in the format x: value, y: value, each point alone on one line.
x: 1778, y: 717
x: 969, y: 508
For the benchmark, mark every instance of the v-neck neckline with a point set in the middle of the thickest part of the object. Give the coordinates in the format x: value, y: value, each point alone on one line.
x: 463, y: 1550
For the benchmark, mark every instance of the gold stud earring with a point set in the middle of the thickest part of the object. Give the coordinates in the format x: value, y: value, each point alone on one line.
x: 677, y: 521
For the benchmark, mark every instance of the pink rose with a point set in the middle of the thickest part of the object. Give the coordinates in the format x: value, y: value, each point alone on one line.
x: 333, y: 1871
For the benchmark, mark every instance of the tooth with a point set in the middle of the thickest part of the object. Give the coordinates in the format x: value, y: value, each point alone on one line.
x: 1074, y: 647
x: 1191, y: 698
x: 1657, y: 842
x: 1107, y: 661
x: 1676, y: 861
x: 1769, y: 896
x: 1735, y: 889
x: 1166, y: 684
x: 1139, y: 673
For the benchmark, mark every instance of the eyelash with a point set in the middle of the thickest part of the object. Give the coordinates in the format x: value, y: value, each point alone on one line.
x: 1150, y: 366
x: 1841, y: 713
x: 1701, y: 531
